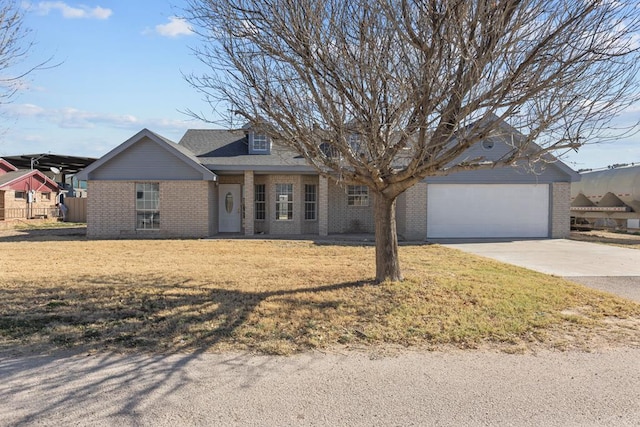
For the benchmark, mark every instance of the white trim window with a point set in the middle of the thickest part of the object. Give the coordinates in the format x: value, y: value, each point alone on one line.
x: 357, y: 195
x: 260, y: 199
x: 260, y: 142
x: 310, y: 201
x: 147, y: 206
x: 354, y: 143
x: 284, y: 202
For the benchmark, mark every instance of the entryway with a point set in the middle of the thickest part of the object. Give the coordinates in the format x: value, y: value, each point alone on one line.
x: 229, y: 208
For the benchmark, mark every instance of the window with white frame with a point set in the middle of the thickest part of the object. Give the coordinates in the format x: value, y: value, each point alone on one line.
x: 284, y: 202
x: 20, y: 195
x: 260, y: 142
x: 310, y: 201
x: 354, y: 142
x: 260, y: 199
x: 147, y: 206
x: 357, y: 195
x: 329, y: 150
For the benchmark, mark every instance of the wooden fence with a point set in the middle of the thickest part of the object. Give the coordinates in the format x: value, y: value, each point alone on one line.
x: 76, y: 209
x: 31, y: 212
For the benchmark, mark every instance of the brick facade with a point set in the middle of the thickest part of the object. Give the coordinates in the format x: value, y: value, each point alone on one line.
x: 189, y: 209
x: 110, y: 209
x: 249, y: 212
x: 43, y: 205
x: 560, y: 210
x: 411, y: 213
x: 184, y: 210
x: 348, y: 219
x: 189, y: 187
x: 323, y: 206
x: 292, y: 226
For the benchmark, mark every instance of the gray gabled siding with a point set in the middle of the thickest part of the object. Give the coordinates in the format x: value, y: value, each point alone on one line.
x: 503, y: 175
x: 145, y: 160
x: 536, y: 173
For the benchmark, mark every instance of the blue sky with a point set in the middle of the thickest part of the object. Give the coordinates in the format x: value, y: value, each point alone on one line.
x: 120, y: 71
x: 121, y: 65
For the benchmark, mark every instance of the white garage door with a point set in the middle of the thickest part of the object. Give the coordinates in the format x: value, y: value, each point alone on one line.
x: 487, y: 210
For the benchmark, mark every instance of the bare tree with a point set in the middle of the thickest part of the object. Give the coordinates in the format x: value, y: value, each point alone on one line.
x: 418, y: 81
x: 15, y: 45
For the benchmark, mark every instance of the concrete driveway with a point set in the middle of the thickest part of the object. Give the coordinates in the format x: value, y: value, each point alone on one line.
x: 605, y: 267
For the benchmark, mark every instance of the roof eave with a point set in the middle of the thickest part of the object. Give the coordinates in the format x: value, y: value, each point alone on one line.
x: 261, y: 168
x: 29, y: 173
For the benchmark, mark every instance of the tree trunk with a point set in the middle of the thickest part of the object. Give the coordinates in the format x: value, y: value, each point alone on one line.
x: 387, y: 262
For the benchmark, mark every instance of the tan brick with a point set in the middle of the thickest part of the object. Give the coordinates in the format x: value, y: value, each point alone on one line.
x: 560, y: 210
x: 249, y: 215
x: 415, y: 212
x: 348, y: 219
x: 184, y: 210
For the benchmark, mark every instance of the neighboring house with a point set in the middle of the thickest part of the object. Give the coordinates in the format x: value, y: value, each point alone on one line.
x: 221, y: 181
x: 59, y: 167
x: 26, y: 193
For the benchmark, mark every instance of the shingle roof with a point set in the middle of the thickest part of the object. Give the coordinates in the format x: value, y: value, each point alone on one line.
x: 203, y: 142
x: 12, y: 176
x: 5, y: 166
x: 227, y: 150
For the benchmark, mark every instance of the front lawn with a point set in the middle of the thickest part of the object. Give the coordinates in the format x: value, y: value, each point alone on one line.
x: 287, y: 296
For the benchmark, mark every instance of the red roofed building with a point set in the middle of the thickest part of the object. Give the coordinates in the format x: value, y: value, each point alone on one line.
x: 26, y: 194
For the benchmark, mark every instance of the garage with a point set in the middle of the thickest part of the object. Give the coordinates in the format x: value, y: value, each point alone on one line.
x: 487, y: 210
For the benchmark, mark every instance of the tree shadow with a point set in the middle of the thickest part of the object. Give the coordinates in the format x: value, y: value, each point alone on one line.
x: 109, y: 388
x: 129, y: 313
x: 44, y: 235
x: 161, y: 326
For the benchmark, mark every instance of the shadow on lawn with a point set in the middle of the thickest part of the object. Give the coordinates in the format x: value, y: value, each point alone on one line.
x: 127, y: 314
x: 174, y: 322
x: 44, y: 234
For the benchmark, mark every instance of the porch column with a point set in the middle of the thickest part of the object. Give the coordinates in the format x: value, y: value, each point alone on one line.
x: 323, y: 206
x: 248, y: 203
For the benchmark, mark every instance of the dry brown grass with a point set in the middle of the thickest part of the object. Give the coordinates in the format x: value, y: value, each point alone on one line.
x: 625, y: 240
x: 286, y: 296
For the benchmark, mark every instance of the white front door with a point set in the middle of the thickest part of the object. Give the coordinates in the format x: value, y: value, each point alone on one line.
x: 229, y: 208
